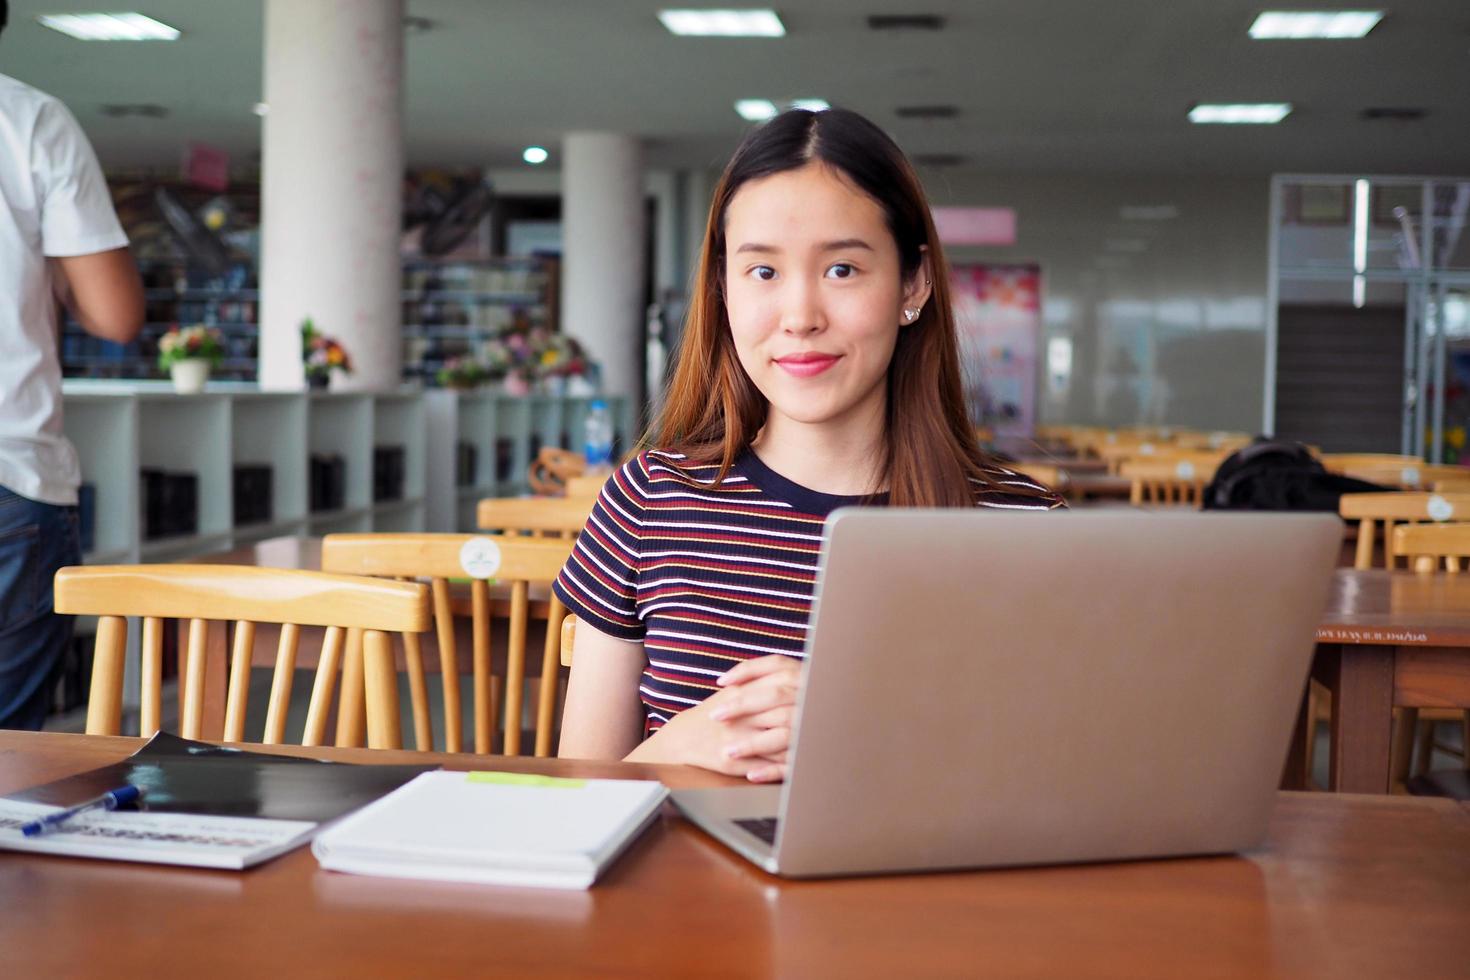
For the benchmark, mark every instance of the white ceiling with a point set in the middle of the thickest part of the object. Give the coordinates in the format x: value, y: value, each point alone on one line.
x: 1043, y: 86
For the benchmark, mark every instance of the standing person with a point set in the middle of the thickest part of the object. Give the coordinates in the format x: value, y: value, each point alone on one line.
x: 819, y: 368
x: 58, y: 234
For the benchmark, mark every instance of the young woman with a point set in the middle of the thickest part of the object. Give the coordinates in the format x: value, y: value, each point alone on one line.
x: 819, y: 368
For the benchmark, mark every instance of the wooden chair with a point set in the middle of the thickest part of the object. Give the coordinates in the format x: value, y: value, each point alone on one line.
x: 1460, y: 485
x: 1413, y: 476
x: 1426, y: 546
x: 1222, y: 442
x: 1371, y: 510
x: 358, y: 614
x: 568, y: 638
x: 560, y: 517
x: 1342, y: 462
x: 439, y: 558
x: 589, y: 485
x: 1174, y: 479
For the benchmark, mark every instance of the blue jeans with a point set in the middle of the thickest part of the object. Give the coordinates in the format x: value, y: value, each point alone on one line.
x: 35, y: 540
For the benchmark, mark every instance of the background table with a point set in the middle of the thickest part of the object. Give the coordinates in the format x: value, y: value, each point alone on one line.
x: 1386, y: 639
x: 1362, y: 886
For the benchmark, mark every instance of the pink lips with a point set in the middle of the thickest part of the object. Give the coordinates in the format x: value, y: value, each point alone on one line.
x: 807, y: 365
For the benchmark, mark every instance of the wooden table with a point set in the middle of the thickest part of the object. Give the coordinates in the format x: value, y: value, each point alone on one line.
x: 1361, y: 886
x: 1387, y: 638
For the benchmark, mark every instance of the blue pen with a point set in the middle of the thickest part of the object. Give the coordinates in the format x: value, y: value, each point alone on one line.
x: 121, y: 796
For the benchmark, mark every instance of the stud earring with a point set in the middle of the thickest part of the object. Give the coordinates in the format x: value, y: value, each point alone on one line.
x: 910, y: 316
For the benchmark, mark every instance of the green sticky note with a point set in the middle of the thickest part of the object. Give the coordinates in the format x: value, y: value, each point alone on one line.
x: 524, y: 779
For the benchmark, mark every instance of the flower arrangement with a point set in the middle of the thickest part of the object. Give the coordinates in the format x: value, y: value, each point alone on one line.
x: 199, y: 343
x: 321, y: 354
x: 463, y: 372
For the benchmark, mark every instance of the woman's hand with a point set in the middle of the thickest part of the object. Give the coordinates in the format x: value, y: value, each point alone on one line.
x: 744, y: 729
x: 760, y: 695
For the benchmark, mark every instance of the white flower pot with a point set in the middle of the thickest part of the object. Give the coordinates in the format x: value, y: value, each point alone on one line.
x: 189, y: 375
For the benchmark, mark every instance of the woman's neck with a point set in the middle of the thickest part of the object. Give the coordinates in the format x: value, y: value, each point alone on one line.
x: 837, y: 457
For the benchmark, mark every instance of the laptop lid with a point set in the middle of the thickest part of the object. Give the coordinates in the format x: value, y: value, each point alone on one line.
x: 997, y: 689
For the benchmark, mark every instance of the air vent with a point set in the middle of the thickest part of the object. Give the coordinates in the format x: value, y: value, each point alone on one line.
x: 927, y: 111
x: 1400, y: 113
x: 417, y: 25
x: 937, y: 159
x: 147, y: 110
x: 905, y: 22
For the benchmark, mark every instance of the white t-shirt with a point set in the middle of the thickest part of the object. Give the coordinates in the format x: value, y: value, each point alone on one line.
x: 53, y: 202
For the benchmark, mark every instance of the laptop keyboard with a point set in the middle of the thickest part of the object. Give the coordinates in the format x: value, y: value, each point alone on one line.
x: 762, y: 827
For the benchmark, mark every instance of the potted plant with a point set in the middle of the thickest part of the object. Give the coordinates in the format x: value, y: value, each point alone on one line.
x: 321, y: 355
x: 188, y: 354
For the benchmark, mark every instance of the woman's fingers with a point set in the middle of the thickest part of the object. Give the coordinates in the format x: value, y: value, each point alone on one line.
x: 771, y: 692
x: 771, y: 743
x: 769, y: 773
x: 744, y: 673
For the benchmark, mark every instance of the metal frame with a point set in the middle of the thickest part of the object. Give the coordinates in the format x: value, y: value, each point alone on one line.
x: 1425, y: 343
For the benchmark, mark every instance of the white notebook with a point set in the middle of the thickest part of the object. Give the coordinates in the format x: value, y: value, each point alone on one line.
x: 493, y: 828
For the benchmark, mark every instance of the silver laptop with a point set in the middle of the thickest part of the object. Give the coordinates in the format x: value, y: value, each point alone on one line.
x: 984, y: 690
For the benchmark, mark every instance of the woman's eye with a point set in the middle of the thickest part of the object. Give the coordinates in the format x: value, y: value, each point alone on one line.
x: 763, y: 272
x: 841, y: 271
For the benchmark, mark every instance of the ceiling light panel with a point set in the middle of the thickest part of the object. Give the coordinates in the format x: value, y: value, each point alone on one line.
x: 1262, y: 113
x: 109, y: 27
x: 1304, y: 24
x: 756, y: 110
x: 723, y: 23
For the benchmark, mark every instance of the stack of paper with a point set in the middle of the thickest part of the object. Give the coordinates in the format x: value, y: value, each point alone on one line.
x: 495, y: 828
x: 193, y: 839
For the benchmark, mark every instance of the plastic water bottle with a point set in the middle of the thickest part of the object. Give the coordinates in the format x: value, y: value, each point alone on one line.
x: 597, y: 445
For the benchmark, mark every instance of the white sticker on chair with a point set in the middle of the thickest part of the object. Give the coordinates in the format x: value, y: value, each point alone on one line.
x: 1440, y: 509
x: 1147, y: 449
x: 1185, y: 470
x: 1409, y: 476
x: 480, y: 557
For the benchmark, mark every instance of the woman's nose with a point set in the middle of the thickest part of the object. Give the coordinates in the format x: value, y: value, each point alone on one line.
x: 801, y: 309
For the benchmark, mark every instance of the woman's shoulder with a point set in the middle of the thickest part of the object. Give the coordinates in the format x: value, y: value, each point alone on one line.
x: 1000, y: 486
x: 670, y: 470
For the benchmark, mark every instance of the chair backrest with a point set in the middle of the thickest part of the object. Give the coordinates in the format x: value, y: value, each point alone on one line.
x: 358, y: 614
x: 1426, y: 544
x: 568, y: 639
x: 1458, y: 485
x: 1342, y: 462
x: 588, y: 485
x: 514, y: 565
x: 1410, y: 476
x: 561, y: 517
x: 1175, y: 478
x: 1371, y: 509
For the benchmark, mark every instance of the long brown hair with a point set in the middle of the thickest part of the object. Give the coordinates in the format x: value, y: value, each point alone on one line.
x: 713, y: 411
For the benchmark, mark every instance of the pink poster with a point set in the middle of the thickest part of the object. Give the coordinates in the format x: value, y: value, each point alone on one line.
x: 998, y: 314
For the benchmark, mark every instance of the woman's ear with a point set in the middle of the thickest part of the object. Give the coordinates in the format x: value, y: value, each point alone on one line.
x: 918, y: 289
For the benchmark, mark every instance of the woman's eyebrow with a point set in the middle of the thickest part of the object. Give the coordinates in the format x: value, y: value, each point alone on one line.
x: 840, y: 245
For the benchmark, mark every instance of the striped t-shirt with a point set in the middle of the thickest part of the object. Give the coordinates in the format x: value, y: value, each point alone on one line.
x: 708, y: 577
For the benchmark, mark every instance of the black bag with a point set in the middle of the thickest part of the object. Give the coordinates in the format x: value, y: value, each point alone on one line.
x: 1272, y: 474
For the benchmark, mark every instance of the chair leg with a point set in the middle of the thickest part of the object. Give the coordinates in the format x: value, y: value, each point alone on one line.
x: 380, y: 681
x: 1424, y: 745
x: 1405, y: 722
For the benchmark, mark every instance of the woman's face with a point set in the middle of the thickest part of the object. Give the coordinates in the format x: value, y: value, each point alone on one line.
x: 814, y: 293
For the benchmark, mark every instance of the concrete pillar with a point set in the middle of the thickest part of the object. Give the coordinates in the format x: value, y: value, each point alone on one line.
x: 603, y: 254
x: 331, y: 195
